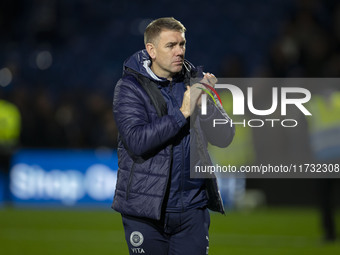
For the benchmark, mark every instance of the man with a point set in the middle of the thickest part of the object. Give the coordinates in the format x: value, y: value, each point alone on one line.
x: 164, y: 211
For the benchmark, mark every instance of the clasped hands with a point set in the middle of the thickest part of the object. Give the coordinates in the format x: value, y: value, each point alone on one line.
x: 192, y: 96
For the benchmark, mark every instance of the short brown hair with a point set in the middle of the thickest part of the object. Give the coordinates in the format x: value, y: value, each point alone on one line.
x: 153, y: 30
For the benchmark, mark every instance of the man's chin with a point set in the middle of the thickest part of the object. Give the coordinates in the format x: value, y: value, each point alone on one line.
x: 177, y: 68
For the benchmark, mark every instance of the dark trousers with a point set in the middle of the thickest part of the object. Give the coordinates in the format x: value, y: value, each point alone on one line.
x: 327, y: 208
x: 175, y: 234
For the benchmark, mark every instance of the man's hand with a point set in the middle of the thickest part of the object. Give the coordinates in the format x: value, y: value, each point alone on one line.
x: 190, y: 99
x: 209, y: 79
x: 192, y: 96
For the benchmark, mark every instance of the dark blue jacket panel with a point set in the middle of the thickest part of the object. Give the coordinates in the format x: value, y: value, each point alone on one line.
x: 185, y: 193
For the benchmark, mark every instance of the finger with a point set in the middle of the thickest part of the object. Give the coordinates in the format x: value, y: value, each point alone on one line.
x: 212, y: 79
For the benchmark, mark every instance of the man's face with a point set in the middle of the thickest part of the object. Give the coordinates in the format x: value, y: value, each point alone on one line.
x: 168, y: 53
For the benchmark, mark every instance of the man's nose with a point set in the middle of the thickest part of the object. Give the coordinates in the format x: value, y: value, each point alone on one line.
x: 180, y: 51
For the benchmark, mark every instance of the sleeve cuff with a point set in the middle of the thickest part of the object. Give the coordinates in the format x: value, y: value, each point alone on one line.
x: 179, y: 117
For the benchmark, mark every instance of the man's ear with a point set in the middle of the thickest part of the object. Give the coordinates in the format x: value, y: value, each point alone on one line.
x: 151, y: 49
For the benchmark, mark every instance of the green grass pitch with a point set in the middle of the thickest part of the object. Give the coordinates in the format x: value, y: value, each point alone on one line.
x: 60, y: 232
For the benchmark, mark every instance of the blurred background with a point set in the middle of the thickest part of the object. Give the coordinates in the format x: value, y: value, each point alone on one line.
x: 59, y: 62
